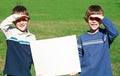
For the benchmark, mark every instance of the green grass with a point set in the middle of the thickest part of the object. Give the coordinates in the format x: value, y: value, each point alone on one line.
x: 55, y: 18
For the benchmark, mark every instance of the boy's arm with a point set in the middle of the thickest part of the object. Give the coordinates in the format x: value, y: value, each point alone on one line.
x: 110, y: 27
x: 80, y: 51
x: 4, y: 26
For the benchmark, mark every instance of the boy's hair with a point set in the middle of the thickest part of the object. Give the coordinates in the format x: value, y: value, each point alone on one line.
x: 20, y: 9
x: 93, y: 9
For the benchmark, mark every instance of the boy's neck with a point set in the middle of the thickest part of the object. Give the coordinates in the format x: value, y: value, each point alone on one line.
x: 93, y: 31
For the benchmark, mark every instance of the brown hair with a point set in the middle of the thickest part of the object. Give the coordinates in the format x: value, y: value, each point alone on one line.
x: 20, y: 9
x: 93, y: 9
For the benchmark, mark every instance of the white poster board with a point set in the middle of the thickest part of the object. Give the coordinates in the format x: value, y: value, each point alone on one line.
x: 55, y: 56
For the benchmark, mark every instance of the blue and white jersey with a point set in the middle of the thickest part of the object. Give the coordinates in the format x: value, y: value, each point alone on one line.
x: 94, y: 50
x: 18, y: 56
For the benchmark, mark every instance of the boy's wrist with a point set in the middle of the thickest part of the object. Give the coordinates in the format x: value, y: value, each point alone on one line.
x: 15, y: 17
x: 101, y: 17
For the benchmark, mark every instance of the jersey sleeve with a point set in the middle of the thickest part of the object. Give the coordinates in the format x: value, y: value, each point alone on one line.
x: 80, y: 50
x: 5, y: 24
x: 111, y: 29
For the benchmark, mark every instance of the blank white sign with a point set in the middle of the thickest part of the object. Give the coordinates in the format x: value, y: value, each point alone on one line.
x: 55, y: 56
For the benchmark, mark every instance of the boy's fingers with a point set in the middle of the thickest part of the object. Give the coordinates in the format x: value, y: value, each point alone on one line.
x: 98, y: 16
x: 24, y: 16
x: 73, y: 73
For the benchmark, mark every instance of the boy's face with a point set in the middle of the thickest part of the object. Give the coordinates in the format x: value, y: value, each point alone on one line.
x: 22, y: 23
x: 94, y: 23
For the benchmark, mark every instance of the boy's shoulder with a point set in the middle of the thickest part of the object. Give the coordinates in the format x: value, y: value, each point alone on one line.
x: 31, y: 35
x: 84, y: 34
x: 87, y: 35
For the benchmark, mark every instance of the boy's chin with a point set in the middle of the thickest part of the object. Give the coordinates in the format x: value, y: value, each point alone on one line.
x: 22, y: 30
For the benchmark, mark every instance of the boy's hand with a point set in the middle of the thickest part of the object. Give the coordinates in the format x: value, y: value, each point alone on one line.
x: 24, y: 16
x: 19, y: 16
x: 97, y: 16
x: 73, y: 73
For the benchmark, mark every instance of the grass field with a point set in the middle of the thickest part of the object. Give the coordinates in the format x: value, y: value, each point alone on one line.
x: 56, y: 18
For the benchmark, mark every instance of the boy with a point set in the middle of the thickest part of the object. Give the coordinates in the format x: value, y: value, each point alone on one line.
x: 94, y: 45
x: 18, y: 56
